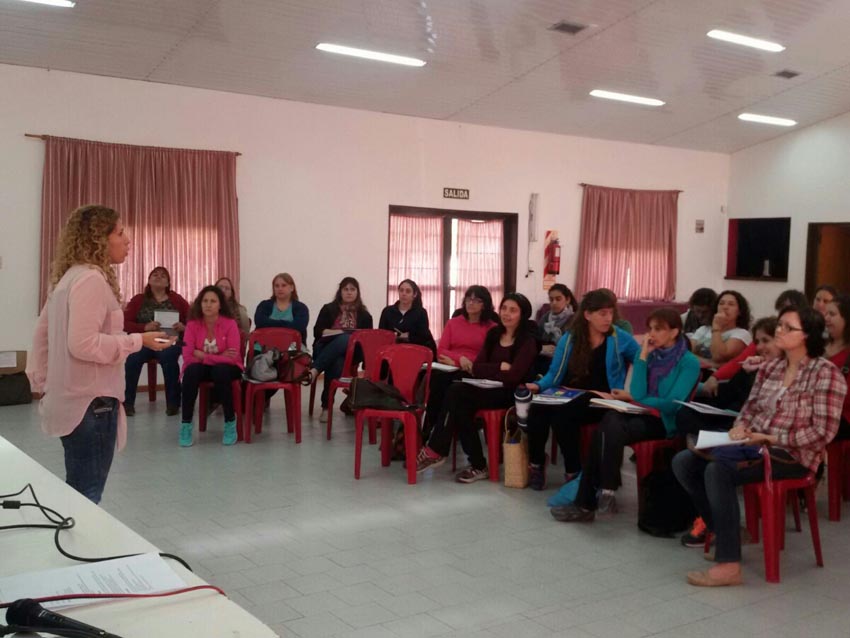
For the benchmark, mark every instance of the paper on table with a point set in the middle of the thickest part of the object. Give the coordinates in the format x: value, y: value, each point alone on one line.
x: 8, y: 359
x: 704, y: 408
x: 483, y: 383
x: 142, y: 574
x: 708, y: 439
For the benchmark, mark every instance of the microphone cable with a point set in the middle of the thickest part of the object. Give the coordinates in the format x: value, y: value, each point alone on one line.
x: 61, y: 523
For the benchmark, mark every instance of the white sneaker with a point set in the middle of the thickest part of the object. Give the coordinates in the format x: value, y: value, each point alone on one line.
x: 323, y: 417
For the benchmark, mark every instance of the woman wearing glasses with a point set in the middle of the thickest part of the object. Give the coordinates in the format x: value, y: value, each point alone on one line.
x: 795, y: 407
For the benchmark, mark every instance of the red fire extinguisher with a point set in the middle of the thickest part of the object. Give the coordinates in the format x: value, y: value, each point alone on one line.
x: 553, y: 258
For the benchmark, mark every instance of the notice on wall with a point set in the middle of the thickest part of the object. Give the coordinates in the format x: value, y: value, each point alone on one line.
x: 456, y: 193
x: 700, y: 226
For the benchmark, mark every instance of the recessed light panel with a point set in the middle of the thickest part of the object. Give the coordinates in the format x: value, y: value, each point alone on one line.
x: 766, y: 119
x: 745, y: 40
x: 625, y: 97
x: 369, y: 55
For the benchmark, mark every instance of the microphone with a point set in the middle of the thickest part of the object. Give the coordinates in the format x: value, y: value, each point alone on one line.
x: 27, y: 613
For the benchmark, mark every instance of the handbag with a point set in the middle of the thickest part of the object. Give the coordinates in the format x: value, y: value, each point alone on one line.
x: 378, y: 395
x: 263, y: 367
x: 294, y: 367
x: 514, y: 453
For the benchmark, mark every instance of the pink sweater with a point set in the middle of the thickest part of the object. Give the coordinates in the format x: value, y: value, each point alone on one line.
x: 226, y: 336
x: 78, y: 351
x: 461, y: 338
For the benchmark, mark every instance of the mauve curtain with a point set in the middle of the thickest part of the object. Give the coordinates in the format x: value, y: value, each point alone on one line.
x: 415, y: 252
x: 480, y: 258
x: 628, y: 242
x: 178, y: 205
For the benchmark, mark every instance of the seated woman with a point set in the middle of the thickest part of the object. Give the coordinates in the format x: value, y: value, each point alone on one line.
x: 837, y: 320
x: 507, y: 356
x: 211, y: 352
x: 699, y: 310
x: 139, y: 317
x: 552, y: 323
x: 665, y: 372
x: 461, y: 341
x: 335, y: 323
x: 795, y: 406
x: 237, y: 310
x: 823, y: 295
x: 728, y: 370
x: 408, y: 318
x: 728, y: 333
x: 592, y: 355
x: 282, y: 309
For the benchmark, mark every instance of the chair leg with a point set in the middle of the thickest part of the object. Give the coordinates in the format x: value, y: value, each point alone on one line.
x: 811, y: 507
x: 312, y: 396
x: 770, y: 524
x: 236, y: 389
x: 845, y: 491
x: 835, y: 480
x: 246, y: 420
x: 290, y: 420
x: 493, y: 427
x: 794, y: 498
x: 151, y: 381
x: 358, y: 443
x: 331, y: 394
x: 373, y: 431
x: 411, y: 445
x: 386, y: 441
x: 752, y: 511
x: 259, y: 408
x: 203, y: 400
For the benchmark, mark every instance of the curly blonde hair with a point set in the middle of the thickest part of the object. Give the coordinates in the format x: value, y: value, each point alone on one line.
x: 85, y: 240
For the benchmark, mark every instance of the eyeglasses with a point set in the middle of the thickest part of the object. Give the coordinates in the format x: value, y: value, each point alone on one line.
x: 786, y: 328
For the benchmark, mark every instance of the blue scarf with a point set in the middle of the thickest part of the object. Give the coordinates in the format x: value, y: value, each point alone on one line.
x: 661, y: 362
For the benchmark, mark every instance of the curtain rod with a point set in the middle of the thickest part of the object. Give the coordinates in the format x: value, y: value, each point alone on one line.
x: 44, y: 137
x: 670, y: 190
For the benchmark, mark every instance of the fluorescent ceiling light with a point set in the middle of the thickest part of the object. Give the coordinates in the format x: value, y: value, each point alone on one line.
x: 55, y: 3
x: 624, y: 97
x: 766, y: 119
x: 745, y: 40
x: 369, y: 55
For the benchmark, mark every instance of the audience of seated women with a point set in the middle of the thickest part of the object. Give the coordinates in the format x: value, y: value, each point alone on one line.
x: 552, y: 323
x: 665, y: 372
x: 823, y: 295
x: 283, y: 309
x: 408, y: 318
x: 698, y: 314
x: 139, y: 316
x: 795, y: 408
x: 334, y: 325
x: 728, y: 333
x: 507, y: 356
x: 212, y: 351
x: 237, y: 310
x: 461, y: 341
x: 837, y: 319
x: 592, y: 355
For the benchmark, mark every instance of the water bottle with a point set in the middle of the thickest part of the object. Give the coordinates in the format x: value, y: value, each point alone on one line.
x: 522, y: 401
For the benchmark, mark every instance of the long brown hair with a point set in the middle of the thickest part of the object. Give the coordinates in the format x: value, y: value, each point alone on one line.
x: 85, y: 240
x: 582, y: 352
x: 233, y: 302
x: 288, y: 279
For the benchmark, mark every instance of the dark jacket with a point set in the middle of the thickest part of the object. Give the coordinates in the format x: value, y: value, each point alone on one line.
x: 300, y: 317
x: 414, y: 322
x: 329, y: 313
x: 521, y: 355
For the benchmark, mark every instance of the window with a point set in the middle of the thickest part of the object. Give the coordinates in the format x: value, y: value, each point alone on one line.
x: 445, y: 252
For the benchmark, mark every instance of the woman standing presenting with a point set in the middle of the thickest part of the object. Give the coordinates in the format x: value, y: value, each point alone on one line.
x: 80, y: 346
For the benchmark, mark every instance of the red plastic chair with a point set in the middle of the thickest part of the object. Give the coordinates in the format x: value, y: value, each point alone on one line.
x: 152, y: 363
x: 280, y: 338
x: 404, y: 368
x: 838, y: 476
x: 370, y: 342
x: 767, y: 499
x: 493, y: 423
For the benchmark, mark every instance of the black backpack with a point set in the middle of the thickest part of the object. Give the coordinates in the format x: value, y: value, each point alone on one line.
x: 15, y: 389
x: 665, y: 508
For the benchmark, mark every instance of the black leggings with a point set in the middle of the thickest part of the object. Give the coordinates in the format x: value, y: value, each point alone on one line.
x: 222, y: 375
x: 565, y: 421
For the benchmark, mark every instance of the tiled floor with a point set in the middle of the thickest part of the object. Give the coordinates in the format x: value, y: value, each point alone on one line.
x: 293, y: 538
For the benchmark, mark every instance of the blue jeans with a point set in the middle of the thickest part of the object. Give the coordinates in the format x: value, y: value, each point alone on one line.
x: 168, y: 359
x: 90, y: 447
x: 329, y: 357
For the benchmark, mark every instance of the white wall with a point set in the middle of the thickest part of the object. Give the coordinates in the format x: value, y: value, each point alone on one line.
x: 314, y: 182
x: 803, y: 175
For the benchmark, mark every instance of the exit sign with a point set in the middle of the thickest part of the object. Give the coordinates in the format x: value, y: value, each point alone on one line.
x: 456, y: 193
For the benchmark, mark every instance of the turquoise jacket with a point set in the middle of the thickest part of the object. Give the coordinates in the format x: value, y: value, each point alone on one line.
x: 676, y: 386
x: 621, y: 350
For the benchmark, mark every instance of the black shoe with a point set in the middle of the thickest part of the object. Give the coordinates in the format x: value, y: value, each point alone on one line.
x: 129, y: 410
x: 572, y: 514
x: 537, y: 476
x: 696, y: 536
x: 171, y: 410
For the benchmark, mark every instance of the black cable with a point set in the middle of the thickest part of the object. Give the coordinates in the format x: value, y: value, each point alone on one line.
x: 59, y: 524
x: 6, y: 630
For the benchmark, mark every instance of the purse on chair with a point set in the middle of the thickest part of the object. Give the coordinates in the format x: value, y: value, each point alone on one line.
x: 294, y: 367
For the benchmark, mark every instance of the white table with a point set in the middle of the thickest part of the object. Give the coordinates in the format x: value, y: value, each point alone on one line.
x: 204, y: 613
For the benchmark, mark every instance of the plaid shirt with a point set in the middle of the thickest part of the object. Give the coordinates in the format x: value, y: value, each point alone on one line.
x: 806, y: 416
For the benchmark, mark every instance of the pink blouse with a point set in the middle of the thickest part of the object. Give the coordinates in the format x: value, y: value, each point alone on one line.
x: 227, y: 336
x: 78, y: 352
